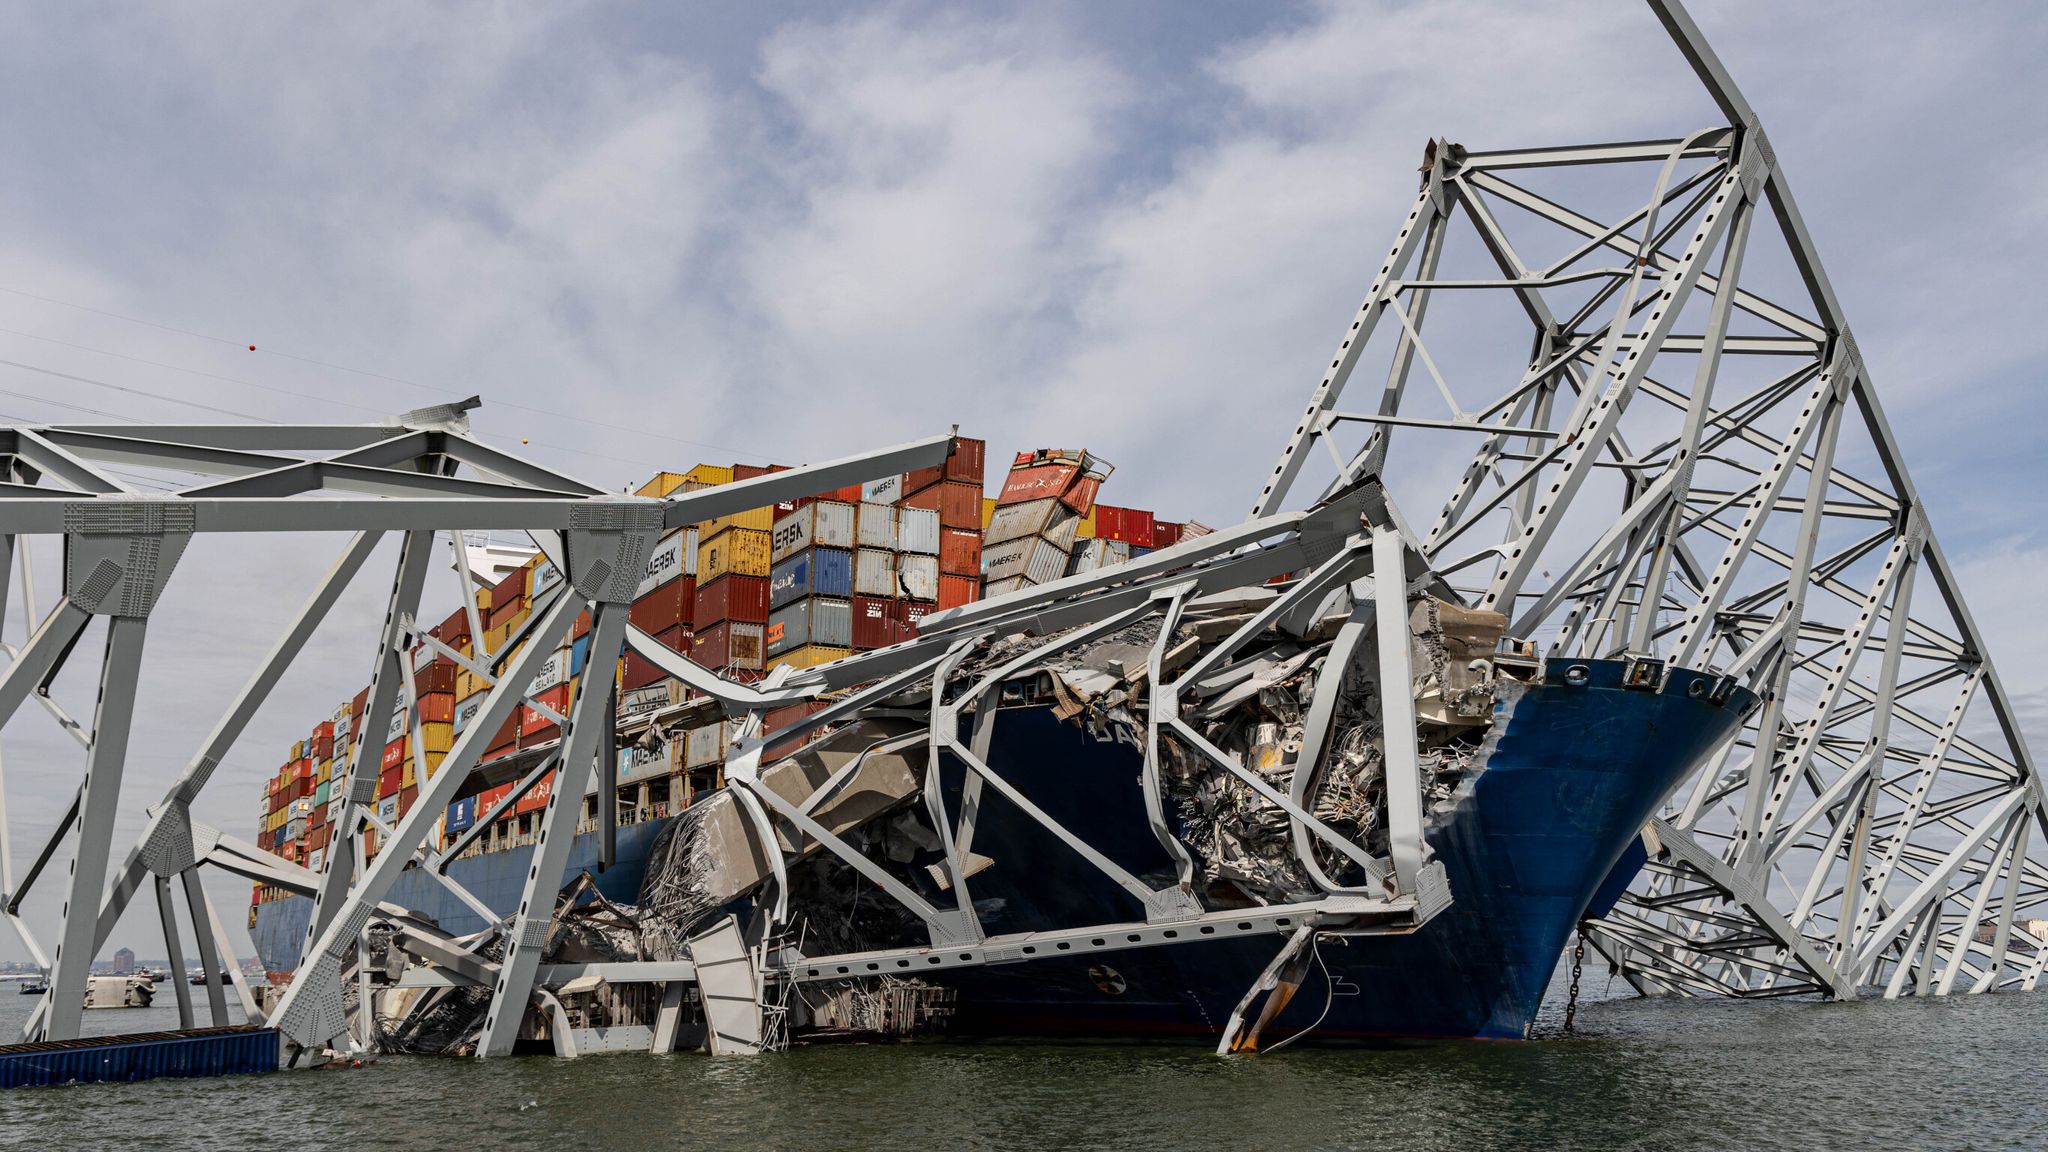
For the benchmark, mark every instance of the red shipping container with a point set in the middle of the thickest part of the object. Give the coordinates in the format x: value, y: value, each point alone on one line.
x: 536, y: 797
x: 581, y: 628
x: 959, y: 552
x: 667, y: 606
x: 957, y: 590
x: 848, y: 494
x: 874, y: 623
x: 437, y: 676
x: 639, y: 671
x: 490, y: 798
x: 407, y: 797
x: 535, y: 728
x: 1133, y: 526
x: 1043, y: 482
x: 394, y: 754
x: 750, y: 471
x: 454, y: 630
x: 1165, y: 533
x: 506, y: 738
x: 906, y: 613
x: 958, y: 503
x: 321, y: 747
x: 358, y: 706
x: 967, y: 461
x: 509, y: 593
x: 717, y: 647
x: 388, y: 782
x: 743, y: 598
x: 437, y: 708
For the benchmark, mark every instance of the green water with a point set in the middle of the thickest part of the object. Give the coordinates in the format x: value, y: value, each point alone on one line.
x: 1959, y: 1073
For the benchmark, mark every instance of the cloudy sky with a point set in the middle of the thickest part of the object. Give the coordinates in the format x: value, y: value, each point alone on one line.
x: 653, y: 235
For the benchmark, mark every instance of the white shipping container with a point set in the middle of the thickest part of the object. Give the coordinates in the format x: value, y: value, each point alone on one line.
x: 821, y: 523
x: 1047, y: 518
x: 990, y: 589
x: 555, y: 671
x: 638, y: 763
x: 664, y: 564
x: 874, y: 572
x: 399, y: 714
x: 918, y: 576
x: 387, y: 808
x: 316, y: 858
x: 877, y: 526
x: 917, y: 530
x: 544, y: 577
x: 887, y: 490
x: 466, y: 709
x: 1034, y: 559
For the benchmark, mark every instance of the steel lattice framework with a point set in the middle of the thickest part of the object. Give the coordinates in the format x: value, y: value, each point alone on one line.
x: 1692, y: 464
x: 1636, y: 442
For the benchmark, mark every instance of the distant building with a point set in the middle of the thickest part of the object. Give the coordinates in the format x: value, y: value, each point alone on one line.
x: 124, y: 962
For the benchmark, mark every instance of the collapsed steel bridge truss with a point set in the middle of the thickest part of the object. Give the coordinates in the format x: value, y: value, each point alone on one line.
x: 1658, y: 450
x: 1688, y: 461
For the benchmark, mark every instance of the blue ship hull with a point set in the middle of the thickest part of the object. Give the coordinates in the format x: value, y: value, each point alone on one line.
x: 1527, y: 843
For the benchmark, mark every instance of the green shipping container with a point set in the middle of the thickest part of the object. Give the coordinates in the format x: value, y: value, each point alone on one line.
x: 323, y: 793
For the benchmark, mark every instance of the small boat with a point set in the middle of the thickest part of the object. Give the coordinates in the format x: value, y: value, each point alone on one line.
x: 33, y: 987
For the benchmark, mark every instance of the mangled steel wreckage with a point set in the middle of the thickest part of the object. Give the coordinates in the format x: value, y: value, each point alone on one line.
x: 1146, y: 809
x: 1726, y: 736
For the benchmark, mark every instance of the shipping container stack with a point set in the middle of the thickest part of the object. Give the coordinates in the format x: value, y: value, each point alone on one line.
x: 1111, y: 535
x: 802, y: 583
x: 953, y: 491
x: 1035, y: 520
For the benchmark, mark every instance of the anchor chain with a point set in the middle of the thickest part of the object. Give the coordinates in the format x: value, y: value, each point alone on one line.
x: 1571, y: 1003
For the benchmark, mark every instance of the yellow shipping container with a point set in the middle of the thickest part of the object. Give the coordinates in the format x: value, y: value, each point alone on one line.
x: 323, y: 772
x: 735, y: 551
x: 710, y: 474
x: 757, y: 519
x: 1087, y: 530
x: 437, y: 738
x: 467, y: 683
x: 988, y: 511
x: 810, y: 656
x: 662, y: 484
x: 298, y: 750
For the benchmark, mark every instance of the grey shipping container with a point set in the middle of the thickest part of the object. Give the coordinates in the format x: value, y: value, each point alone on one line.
x: 1090, y: 555
x: 815, y: 620
x: 917, y: 530
x: 819, y: 524
x: 1033, y: 558
x: 877, y: 526
x: 874, y: 573
x: 1049, y: 519
x: 917, y: 577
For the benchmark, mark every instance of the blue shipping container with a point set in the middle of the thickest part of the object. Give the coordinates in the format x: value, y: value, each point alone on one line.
x: 462, y: 814
x: 812, y: 572
x: 145, y: 1056
x: 579, y: 654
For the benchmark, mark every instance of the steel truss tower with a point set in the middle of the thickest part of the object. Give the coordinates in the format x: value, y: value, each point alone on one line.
x: 1616, y: 378
x: 1691, y: 464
